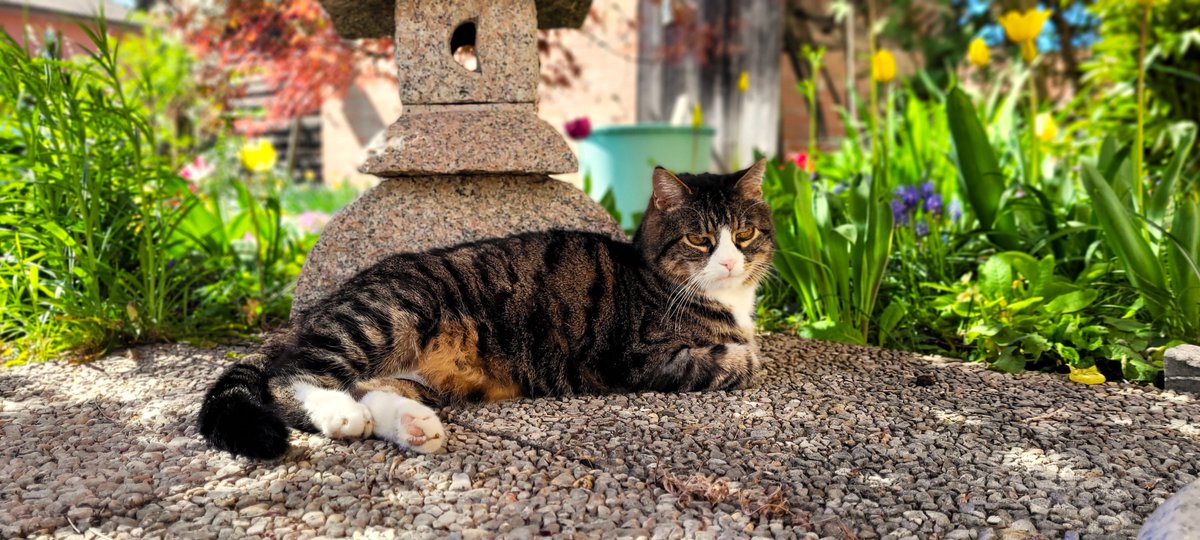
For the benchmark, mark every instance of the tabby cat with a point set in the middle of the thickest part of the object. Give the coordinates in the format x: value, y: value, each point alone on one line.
x: 538, y: 314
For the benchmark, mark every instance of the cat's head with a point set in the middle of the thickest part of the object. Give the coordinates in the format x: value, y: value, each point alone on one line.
x: 712, y: 229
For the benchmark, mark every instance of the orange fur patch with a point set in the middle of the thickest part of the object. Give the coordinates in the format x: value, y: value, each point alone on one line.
x: 451, y: 364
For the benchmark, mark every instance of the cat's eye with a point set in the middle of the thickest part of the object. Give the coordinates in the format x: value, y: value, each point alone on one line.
x: 744, y: 235
x: 698, y: 241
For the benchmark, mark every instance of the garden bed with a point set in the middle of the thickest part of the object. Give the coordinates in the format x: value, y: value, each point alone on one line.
x: 840, y: 440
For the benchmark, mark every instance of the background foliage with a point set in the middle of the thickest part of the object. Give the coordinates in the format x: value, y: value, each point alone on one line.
x: 1069, y: 263
x: 103, y: 241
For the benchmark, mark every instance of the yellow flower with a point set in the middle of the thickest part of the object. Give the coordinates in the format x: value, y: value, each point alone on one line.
x: 978, y: 53
x: 697, y: 116
x: 1045, y: 127
x: 883, y: 66
x: 1023, y: 28
x: 258, y: 155
x: 743, y: 82
x: 1088, y: 375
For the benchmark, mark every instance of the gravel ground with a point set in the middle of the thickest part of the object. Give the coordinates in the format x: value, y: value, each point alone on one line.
x: 833, y: 441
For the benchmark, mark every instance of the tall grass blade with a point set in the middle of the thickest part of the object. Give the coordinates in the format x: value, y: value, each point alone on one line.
x: 1126, y: 238
x: 979, y: 171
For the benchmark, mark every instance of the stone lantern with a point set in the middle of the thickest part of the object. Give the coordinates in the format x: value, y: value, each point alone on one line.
x: 468, y: 158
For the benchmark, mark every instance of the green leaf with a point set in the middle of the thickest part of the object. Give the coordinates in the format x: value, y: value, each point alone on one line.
x: 1157, y: 208
x: 1183, y: 256
x: 1125, y: 237
x: 1033, y: 345
x: 1125, y: 325
x: 1007, y: 362
x: 828, y: 330
x: 1135, y: 369
x: 983, y: 182
x: 889, y: 319
x: 995, y: 277
x: 1020, y: 305
x: 1072, y: 302
x: 1068, y: 353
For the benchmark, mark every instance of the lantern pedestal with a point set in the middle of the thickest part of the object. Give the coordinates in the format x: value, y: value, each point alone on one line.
x: 427, y: 212
x: 469, y: 142
x: 468, y: 159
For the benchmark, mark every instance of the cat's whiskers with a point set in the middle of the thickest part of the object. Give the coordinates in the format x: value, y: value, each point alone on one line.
x: 677, y: 294
x: 682, y: 296
x: 701, y: 284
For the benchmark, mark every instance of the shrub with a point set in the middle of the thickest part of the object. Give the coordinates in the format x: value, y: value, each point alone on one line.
x: 87, y: 232
x: 102, y: 243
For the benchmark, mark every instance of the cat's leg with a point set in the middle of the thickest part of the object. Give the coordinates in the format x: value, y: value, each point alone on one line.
x: 331, y: 353
x: 399, y: 414
x: 332, y: 412
x: 724, y: 366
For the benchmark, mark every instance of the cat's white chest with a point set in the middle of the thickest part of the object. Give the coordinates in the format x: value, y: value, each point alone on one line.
x: 740, y: 301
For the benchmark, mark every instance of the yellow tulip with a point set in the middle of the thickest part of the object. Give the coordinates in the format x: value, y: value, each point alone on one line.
x: 1045, y: 127
x: 258, y: 155
x: 1088, y: 375
x: 978, y: 53
x: 883, y: 66
x: 1023, y: 28
x: 697, y: 116
x: 743, y: 82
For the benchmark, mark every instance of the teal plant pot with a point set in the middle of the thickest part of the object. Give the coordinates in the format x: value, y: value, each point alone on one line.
x: 622, y: 158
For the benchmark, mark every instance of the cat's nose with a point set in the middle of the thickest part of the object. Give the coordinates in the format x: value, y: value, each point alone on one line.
x: 729, y: 264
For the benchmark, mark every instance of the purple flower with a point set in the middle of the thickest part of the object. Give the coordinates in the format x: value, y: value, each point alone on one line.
x: 933, y: 204
x: 956, y: 210
x: 927, y: 190
x: 921, y: 228
x: 578, y: 128
x: 911, y: 195
x: 899, y: 212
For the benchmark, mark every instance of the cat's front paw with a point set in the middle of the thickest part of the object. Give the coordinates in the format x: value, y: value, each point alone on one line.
x: 739, y: 362
x: 342, y: 418
x: 405, y: 422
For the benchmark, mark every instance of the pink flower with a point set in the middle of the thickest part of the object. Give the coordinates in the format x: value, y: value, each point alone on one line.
x: 198, y: 169
x: 804, y: 162
x: 578, y: 128
x: 312, y: 221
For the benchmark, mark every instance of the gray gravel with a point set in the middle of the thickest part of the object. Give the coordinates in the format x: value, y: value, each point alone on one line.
x: 834, y: 441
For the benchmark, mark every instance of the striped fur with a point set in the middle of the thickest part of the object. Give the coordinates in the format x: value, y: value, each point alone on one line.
x: 539, y: 314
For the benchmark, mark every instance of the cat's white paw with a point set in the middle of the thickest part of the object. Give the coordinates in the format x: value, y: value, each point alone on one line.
x: 334, y: 413
x: 405, y: 422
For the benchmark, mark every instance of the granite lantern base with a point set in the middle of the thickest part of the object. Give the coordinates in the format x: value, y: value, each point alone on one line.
x: 410, y: 214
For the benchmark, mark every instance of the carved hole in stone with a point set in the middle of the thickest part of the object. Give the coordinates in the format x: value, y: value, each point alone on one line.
x: 462, y: 46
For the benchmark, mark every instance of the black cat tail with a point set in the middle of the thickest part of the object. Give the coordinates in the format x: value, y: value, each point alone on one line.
x: 240, y: 416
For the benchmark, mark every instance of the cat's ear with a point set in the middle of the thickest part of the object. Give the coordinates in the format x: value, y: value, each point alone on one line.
x: 749, y: 186
x: 669, y: 191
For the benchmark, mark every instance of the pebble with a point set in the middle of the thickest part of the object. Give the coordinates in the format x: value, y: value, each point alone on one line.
x: 460, y: 482
x: 838, y: 432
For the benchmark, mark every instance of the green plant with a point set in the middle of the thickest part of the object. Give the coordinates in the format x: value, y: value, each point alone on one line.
x: 1169, y: 70
x: 86, y: 232
x: 102, y: 243
x: 1159, y: 256
x: 255, y: 258
x: 833, y: 255
x: 1019, y: 314
x: 608, y: 201
x: 182, y: 112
